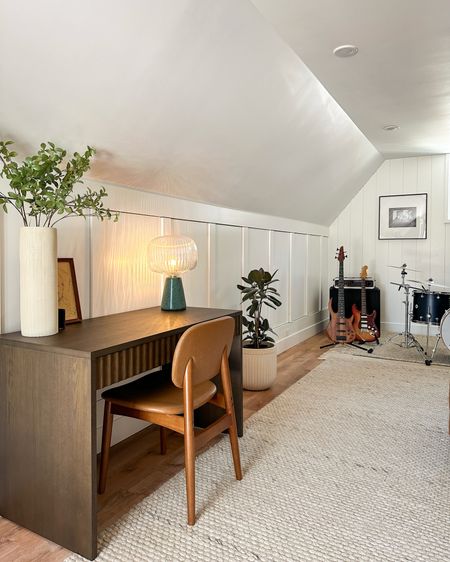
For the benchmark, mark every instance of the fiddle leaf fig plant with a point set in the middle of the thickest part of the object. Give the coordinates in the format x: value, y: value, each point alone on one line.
x: 258, y: 292
x: 41, y: 188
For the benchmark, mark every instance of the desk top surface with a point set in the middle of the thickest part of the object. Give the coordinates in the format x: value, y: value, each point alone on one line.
x: 95, y: 336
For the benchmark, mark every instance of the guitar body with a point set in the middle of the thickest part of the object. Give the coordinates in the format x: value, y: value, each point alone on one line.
x: 364, y: 326
x: 340, y: 329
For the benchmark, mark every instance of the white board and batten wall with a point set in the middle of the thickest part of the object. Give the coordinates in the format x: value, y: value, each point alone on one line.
x: 356, y: 228
x: 113, y: 275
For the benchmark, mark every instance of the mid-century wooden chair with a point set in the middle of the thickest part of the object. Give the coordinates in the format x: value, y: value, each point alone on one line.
x: 201, y: 353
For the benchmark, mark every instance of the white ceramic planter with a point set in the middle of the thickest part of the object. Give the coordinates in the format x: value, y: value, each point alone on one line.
x: 38, y: 281
x: 259, y: 367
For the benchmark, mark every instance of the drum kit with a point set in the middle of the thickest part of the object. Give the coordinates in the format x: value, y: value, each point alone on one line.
x: 429, y: 307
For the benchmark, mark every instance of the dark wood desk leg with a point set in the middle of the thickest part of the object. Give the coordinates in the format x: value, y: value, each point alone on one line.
x: 236, y: 382
x: 47, y: 456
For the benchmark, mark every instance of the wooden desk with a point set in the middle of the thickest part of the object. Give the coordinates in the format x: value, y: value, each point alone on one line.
x: 48, y: 468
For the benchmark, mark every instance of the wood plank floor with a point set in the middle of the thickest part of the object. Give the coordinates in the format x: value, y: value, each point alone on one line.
x: 137, y: 468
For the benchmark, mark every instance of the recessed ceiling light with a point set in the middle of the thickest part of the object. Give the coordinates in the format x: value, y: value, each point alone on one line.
x: 344, y: 51
x: 391, y: 128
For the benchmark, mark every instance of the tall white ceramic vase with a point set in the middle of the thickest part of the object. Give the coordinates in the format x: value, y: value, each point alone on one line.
x: 38, y: 281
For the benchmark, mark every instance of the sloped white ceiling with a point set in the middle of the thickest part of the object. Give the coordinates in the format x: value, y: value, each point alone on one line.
x: 400, y: 76
x: 199, y: 99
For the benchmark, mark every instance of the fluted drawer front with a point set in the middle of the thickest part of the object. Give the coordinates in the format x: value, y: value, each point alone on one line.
x: 124, y: 364
x: 121, y: 365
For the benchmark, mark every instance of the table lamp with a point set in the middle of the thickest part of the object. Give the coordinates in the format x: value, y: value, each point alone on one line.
x: 173, y: 255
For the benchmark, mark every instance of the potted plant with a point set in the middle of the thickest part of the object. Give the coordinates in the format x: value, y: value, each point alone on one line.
x: 41, y: 190
x: 259, y: 355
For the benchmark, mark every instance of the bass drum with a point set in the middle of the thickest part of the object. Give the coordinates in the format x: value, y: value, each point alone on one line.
x: 444, y: 329
x: 429, y: 307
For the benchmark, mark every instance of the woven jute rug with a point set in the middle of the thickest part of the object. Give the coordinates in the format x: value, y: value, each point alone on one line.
x: 349, y: 464
x: 391, y: 347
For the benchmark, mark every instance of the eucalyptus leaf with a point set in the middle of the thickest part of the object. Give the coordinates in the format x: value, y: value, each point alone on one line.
x: 42, y: 191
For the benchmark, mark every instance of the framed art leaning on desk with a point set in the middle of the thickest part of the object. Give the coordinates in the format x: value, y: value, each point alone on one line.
x: 68, y: 297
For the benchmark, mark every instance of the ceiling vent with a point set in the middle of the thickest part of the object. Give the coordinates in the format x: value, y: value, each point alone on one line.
x: 344, y: 51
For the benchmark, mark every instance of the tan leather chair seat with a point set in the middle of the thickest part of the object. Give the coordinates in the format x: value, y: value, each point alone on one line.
x: 155, y: 393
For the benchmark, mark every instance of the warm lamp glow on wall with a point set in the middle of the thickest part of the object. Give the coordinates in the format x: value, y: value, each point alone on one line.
x: 173, y: 255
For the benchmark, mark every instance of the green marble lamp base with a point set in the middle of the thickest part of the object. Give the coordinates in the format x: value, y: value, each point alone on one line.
x: 173, y: 295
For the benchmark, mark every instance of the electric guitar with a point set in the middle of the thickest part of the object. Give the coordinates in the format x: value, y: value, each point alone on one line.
x: 340, y: 329
x: 363, y: 323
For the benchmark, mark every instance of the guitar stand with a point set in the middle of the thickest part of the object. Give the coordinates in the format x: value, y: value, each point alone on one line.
x: 333, y: 344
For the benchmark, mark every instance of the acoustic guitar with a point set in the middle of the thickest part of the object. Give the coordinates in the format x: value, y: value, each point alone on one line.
x: 340, y: 328
x: 363, y: 323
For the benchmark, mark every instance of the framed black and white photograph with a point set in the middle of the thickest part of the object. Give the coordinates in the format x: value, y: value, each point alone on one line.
x: 403, y: 217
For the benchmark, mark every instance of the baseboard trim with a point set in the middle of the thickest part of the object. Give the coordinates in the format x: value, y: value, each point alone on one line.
x: 419, y: 329
x: 302, y: 335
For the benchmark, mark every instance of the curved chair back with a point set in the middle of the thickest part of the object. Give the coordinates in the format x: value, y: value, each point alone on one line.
x: 203, y: 343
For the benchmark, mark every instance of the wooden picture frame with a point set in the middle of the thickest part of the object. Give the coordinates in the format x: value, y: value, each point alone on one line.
x: 68, y: 297
x: 403, y: 217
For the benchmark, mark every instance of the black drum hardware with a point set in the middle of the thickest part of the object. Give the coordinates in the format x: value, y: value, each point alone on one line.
x: 429, y: 307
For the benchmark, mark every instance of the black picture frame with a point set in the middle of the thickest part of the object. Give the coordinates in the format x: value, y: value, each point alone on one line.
x: 403, y: 216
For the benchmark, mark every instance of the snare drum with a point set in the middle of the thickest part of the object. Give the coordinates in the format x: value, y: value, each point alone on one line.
x: 429, y: 307
x: 444, y: 329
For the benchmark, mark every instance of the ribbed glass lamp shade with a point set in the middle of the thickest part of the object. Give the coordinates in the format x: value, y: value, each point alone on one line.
x: 172, y: 255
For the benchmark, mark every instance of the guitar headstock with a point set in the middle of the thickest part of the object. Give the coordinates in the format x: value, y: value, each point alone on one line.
x: 340, y: 254
x: 363, y: 274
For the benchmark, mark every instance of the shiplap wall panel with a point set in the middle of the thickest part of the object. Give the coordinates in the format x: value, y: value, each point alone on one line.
x: 446, y: 256
x: 410, y: 179
x: 437, y: 226
x: 256, y: 249
x: 195, y: 282
x: 314, y: 281
x: 121, y: 277
x: 279, y: 260
x: 428, y: 174
x: 324, y: 279
x: 370, y: 225
x: 73, y: 242
x: 298, y: 276
x: 424, y: 174
x: 227, y: 268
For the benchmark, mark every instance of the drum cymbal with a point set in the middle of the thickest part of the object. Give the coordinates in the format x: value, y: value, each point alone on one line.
x: 432, y: 283
x: 404, y: 266
x: 429, y: 282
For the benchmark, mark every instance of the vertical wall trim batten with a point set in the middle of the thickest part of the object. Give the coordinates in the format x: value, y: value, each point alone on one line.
x: 210, y: 258
x: 290, y: 277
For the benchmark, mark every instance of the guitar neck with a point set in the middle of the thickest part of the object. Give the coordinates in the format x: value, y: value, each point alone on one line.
x: 363, y: 298
x: 341, y: 294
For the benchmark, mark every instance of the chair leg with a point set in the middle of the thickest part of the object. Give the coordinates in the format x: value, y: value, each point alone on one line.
x: 232, y: 430
x: 189, y: 444
x: 189, y: 464
x: 106, y: 443
x: 162, y: 440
